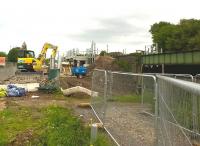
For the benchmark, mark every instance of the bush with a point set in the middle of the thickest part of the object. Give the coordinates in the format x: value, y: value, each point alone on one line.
x: 103, y: 53
x: 13, y: 54
x: 3, y: 54
x: 124, y: 65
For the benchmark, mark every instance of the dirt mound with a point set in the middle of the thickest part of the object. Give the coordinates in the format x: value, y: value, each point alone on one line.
x: 104, y: 62
x: 68, y: 82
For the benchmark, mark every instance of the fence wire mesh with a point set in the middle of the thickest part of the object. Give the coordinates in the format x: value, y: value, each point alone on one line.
x: 123, y: 103
x: 147, y: 110
x: 179, y: 112
x: 99, y: 88
x: 197, y: 78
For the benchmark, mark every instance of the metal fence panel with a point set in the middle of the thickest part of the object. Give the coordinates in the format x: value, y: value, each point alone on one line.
x: 124, y: 117
x: 99, y: 88
x: 142, y: 110
x: 179, y: 112
x: 121, y: 103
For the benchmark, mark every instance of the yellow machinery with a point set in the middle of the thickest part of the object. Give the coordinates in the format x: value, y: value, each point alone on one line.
x: 28, y: 62
x: 37, y: 63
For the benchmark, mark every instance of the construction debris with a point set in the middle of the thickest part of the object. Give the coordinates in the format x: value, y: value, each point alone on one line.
x: 76, y: 89
x: 84, y: 105
x: 14, y: 91
x: 3, y: 92
x: 35, y: 96
x: 25, y: 78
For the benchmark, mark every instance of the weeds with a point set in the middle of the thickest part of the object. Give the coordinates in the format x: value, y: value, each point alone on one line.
x: 51, y: 126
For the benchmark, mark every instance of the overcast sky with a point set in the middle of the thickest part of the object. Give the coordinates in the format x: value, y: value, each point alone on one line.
x: 75, y: 23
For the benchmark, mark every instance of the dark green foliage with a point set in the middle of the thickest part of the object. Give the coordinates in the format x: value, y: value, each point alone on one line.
x: 3, y: 54
x: 124, y: 65
x: 13, y: 53
x: 115, y: 54
x: 181, y: 37
x: 103, y: 53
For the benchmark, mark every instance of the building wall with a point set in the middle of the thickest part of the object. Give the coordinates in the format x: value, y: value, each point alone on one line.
x: 7, y: 71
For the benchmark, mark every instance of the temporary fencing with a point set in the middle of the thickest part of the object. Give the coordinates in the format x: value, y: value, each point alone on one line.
x: 147, y: 110
x: 125, y: 105
x: 179, y: 112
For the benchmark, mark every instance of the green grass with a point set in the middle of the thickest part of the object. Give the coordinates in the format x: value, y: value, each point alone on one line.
x: 51, y: 126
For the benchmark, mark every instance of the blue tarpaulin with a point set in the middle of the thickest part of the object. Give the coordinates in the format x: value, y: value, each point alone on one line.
x: 14, y: 91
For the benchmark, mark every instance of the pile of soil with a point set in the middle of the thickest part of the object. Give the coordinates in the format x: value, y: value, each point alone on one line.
x: 68, y: 82
x: 103, y: 62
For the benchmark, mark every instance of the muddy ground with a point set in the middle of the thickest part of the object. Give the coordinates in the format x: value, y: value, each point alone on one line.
x: 124, y: 121
x: 69, y: 81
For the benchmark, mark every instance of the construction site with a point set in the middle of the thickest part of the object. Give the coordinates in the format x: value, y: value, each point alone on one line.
x: 90, y: 99
x: 99, y: 73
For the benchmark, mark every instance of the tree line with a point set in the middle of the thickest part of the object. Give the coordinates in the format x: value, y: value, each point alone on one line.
x: 13, y: 53
x: 183, y: 36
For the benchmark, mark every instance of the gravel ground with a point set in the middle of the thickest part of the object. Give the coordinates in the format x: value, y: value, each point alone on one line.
x: 129, y: 125
x: 25, y: 78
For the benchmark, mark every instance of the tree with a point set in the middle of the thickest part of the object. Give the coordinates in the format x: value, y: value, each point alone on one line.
x: 180, y: 37
x: 13, y: 54
x: 103, y: 53
x: 3, y: 54
x: 24, y: 46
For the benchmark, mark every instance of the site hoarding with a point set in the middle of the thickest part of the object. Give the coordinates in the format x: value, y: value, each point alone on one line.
x: 2, y: 61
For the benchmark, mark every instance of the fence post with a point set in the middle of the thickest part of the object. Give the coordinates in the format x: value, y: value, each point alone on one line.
x: 156, y: 110
x: 105, y: 95
x: 142, y: 92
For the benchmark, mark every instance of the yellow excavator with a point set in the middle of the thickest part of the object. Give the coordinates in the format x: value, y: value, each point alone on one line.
x: 28, y: 62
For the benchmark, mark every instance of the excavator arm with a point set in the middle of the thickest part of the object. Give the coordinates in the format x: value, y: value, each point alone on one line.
x: 42, y: 56
x: 47, y: 46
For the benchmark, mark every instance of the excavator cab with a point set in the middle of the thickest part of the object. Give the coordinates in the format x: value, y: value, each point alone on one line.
x: 25, y: 60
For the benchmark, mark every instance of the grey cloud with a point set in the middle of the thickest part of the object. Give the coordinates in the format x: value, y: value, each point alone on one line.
x: 110, y: 30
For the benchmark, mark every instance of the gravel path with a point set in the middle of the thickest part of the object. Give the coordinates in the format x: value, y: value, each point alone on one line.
x: 129, y: 125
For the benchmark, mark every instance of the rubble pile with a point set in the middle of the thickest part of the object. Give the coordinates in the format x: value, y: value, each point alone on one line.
x: 23, y: 79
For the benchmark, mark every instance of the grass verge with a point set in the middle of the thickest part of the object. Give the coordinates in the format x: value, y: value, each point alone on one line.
x: 44, y: 127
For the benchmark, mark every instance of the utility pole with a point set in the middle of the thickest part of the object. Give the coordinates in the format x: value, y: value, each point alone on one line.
x: 107, y: 48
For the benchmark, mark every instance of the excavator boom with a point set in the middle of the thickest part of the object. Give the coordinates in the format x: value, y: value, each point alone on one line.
x: 42, y: 56
x: 47, y: 46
